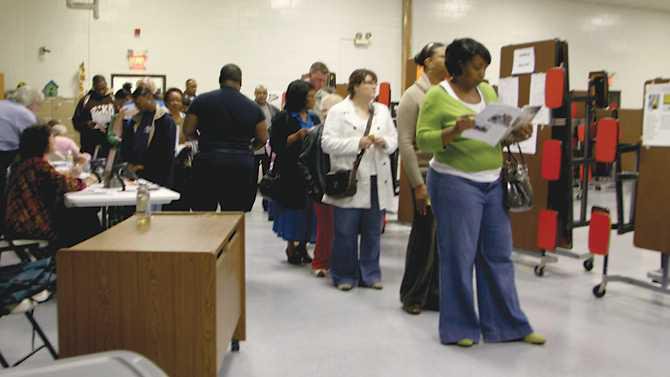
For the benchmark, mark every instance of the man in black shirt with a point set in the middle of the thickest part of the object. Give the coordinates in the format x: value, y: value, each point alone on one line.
x: 230, y: 128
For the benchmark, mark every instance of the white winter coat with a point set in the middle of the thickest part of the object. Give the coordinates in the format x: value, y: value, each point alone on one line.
x: 342, y: 133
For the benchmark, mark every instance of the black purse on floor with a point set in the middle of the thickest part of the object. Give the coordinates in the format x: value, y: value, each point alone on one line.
x: 343, y: 183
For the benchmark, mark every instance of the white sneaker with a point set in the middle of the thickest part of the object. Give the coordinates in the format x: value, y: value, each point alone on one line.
x: 42, y: 296
x: 23, y: 306
x: 320, y: 272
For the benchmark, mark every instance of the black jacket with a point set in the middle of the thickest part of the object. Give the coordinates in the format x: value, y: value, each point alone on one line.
x: 158, y: 157
x: 91, y: 137
x: 314, y: 163
x: 292, y: 179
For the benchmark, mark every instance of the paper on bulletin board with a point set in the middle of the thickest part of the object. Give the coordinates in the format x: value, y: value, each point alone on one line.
x: 656, y: 123
x: 508, y: 91
x: 524, y: 61
x: 537, y: 96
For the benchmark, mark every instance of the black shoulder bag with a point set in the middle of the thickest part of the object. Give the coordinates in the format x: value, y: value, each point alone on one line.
x: 342, y: 183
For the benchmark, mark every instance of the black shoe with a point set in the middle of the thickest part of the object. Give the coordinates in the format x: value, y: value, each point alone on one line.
x: 294, y: 257
x: 413, y: 309
x: 301, y: 250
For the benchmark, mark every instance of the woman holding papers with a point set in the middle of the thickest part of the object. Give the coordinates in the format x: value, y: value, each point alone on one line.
x: 420, y: 284
x: 295, y: 221
x: 473, y: 226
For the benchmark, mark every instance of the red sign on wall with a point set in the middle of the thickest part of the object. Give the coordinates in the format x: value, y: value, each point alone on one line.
x: 137, y: 60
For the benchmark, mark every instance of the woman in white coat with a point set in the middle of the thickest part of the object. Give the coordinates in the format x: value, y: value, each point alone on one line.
x: 363, y: 212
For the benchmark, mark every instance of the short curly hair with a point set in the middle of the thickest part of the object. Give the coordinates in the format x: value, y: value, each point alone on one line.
x: 461, y: 51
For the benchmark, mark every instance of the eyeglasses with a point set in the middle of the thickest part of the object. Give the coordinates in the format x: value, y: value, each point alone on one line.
x: 370, y: 82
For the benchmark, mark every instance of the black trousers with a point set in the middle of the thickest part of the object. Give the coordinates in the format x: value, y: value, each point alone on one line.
x: 224, y: 177
x: 182, y: 183
x: 420, y: 283
x: 263, y: 161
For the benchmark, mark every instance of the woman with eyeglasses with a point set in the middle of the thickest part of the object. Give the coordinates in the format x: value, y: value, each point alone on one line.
x: 343, y: 138
x: 420, y: 284
x: 473, y: 226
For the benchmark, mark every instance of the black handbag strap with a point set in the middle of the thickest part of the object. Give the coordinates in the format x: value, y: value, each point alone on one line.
x: 511, y: 156
x: 365, y: 134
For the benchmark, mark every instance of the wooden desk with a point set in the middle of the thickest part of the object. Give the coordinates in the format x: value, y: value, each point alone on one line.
x: 174, y: 293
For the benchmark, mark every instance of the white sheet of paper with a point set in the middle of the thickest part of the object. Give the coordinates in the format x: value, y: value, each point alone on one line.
x: 492, y: 123
x: 524, y: 61
x: 497, y: 120
x: 537, y: 98
x: 508, y: 91
x: 656, y: 122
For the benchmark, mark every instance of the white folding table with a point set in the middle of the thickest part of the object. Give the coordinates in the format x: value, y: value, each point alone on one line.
x: 98, y: 196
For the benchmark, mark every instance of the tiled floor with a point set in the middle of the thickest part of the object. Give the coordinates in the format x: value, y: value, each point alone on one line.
x: 300, y: 326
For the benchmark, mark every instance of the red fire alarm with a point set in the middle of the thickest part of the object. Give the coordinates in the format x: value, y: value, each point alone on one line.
x: 137, y: 32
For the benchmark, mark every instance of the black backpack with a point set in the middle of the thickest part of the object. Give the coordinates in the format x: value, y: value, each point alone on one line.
x: 314, y: 164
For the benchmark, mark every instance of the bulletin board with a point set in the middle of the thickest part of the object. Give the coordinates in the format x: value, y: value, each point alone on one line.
x: 555, y: 195
x: 652, y: 204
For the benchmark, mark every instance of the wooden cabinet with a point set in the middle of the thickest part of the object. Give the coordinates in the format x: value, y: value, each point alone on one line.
x: 174, y: 292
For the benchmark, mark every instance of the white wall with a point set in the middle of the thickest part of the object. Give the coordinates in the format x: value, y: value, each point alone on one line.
x: 275, y: 45
x: 631, y: 43
x: 274, y: 41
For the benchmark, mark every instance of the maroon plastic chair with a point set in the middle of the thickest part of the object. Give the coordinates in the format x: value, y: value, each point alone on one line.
x: 554, y: 89
x: 551, y: 160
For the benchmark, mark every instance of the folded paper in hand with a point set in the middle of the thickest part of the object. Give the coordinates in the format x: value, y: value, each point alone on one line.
x: 497, y: 121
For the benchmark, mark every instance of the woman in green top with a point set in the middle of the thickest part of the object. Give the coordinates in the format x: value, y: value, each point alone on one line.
x: 473, y: 226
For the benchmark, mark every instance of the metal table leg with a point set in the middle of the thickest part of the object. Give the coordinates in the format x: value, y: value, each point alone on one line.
x: 664, y: 270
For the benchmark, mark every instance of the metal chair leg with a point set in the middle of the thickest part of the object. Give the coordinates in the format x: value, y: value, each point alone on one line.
x: 3, y: 362
x: 41, y: 334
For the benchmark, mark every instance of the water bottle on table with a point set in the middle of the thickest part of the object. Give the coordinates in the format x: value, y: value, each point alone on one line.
x: 143, y: 207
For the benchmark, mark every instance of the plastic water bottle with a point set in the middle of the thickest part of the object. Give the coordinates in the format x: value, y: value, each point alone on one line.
x: 70, y: 158
x: 143, y: 206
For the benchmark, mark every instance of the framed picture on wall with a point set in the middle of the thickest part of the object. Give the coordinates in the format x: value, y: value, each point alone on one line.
x: 118, y: 79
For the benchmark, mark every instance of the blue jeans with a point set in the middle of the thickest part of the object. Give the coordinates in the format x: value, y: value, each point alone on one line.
x: 346, y: 265
x: 474, y: 230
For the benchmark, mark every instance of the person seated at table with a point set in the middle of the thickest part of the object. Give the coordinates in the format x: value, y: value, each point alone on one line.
x: 36, y: 192
x: 148, y: 140
x: 64, y: 146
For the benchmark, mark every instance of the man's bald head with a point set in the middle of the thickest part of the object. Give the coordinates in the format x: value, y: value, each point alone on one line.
x: 191, y: 87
